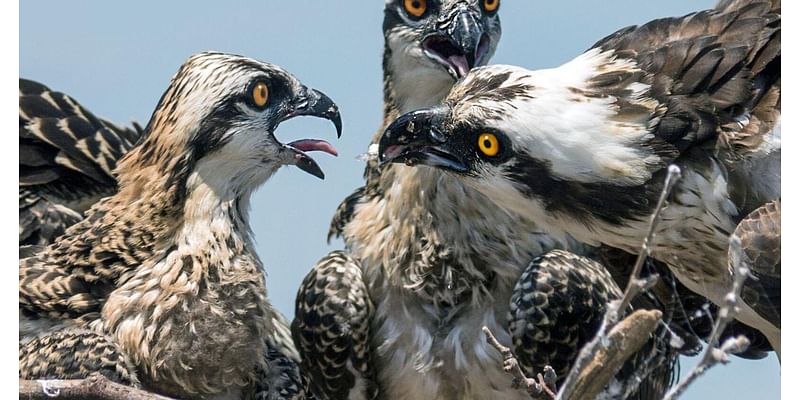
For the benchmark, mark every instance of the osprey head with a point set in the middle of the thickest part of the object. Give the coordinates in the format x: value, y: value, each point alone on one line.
x: 217, y: 120
x: 529, y: 141
x: 465, y: 135
x: 435, y: 42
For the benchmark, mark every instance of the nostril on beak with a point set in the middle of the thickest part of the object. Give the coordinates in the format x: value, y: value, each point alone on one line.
x: 437, y: 136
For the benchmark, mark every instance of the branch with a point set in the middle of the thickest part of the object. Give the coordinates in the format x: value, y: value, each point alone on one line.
x: 714, y: 355
x: 543, y: 388
x: 611, y: 359
x: 635, y: 284
x: 615, y: 342
x: 95, y: 387
x: 626, y: 338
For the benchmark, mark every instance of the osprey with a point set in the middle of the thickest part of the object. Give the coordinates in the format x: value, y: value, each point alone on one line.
x: 431, y: 43
x: 429, y: 260
x: 160, y: 285
x: 582, y: 149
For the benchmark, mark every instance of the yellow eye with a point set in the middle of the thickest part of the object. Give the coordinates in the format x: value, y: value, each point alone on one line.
x: 488, y: 144
x: 260, y: 94
x: 491, y: 5
x: 416, y: 8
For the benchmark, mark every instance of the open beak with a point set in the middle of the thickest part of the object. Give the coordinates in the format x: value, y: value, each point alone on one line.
x: 460, y: 46
x: 414, y: 138
x: 314, y: 103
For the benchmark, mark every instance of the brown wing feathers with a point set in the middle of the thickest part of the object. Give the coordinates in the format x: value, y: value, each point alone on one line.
x: 708, y: 68
x: 67, y: 158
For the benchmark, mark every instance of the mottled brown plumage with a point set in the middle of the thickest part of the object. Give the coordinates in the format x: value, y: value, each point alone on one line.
x: 67, y: 158
x: 717, y: 63
x: 164, y: 271
x: 690, y: 316
x: 73, y: 354
x: 558, y: 305
x: 331, y: 328
x: 760, y: 235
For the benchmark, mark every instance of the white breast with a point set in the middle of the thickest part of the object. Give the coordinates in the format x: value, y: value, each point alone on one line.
x: 417, y: 359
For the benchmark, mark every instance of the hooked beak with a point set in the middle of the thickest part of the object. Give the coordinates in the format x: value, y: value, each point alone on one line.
x: 459, y: 47
x: 311, y: 102
x: 414, y: 139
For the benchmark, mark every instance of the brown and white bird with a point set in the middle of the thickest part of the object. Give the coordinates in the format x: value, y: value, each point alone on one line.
x: 429, y: 44
x: 582, y: 149
x: 160, y: 285
x: 429, y: 260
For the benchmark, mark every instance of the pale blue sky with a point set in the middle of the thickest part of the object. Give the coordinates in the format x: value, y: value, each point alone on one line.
x: 116, y: 58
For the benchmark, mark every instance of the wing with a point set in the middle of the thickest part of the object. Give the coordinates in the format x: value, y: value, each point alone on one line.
x: 558, y: 305
x: 66, y: 160
x: 74, y: 354
x: 730, y: 5
x: 690, y: 316
x: 664, y: 295
x: 72, y: 278
x: 693, y: 316
x: 713, y: 77
x: 281, y: 338
x: 49, y: 293
x: 346, y: 210
x: 282, y: 378
x: 697, y: 314
x: 331, y: 329
x: 760, y: 235
x: 40, y: 220
x: 345, y: 213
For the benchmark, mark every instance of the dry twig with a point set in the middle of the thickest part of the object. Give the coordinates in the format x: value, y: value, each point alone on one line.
x: 615, y: 342
x: 714, y: 355
x: 606, y: 343
x: 95, y: 387
x: 625, y: 339
x: 542, y: 387
x: 637, y: 285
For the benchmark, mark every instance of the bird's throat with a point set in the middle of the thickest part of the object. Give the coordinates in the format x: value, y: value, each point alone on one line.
x: 410, y: 84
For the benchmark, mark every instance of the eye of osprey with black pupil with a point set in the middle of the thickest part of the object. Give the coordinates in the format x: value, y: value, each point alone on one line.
x: 416, y: 8
x: 488, y: 144
x: 491, y: 5
x: 259, y: 94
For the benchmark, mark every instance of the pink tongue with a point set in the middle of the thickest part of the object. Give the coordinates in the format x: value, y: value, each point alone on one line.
x: 313, y: 145
x: 460, y: 63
